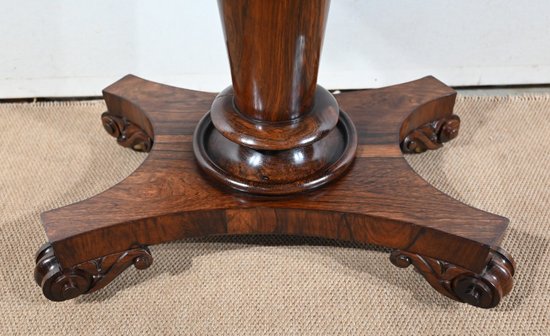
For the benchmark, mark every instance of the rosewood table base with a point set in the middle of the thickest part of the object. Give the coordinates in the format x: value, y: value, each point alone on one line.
x: 380, y: 200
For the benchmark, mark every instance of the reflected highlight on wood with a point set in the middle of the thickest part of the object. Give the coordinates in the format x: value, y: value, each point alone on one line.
x: 311, y: 127
x: 277, y: 154
x: 484, y: 290
x: 275, y: 131
x: 274, y: 52
x: 126, y: 132
x: 431, y: 135
x: 168, y: 197
x: 60, y: 284
x: 279, y: 172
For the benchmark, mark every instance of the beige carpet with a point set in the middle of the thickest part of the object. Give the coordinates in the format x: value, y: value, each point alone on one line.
x: 53, y: 154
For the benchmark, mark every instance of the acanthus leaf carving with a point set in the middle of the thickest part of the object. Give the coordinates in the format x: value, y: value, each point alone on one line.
x: 59, y: 284
x: 484, y: 290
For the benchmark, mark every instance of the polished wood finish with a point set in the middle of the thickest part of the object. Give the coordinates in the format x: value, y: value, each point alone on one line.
x: 275, y: 172
x: 274, y: 51
x: 277, y: 154
x: 275, y: 131
x: 431, y: 135
x: 63, y: 284
x: 311, y: 127
x: 484, y: 289
x: 126, y: 132
x: 381, y: 200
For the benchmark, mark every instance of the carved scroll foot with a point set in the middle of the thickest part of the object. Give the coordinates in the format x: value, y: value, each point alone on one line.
x: 366, y: 206
x: 126, y: 132
x: 484, y: 290
x: 431, y: 135
x: 60, y: 284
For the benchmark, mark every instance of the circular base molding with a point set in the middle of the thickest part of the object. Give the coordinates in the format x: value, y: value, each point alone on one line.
x: 275, y: 172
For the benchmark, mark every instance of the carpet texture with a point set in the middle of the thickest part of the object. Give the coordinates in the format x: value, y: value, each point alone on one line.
x: 53, y: 154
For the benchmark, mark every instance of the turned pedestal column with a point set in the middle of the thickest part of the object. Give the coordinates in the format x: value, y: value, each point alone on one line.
x: 275, y: 153
x: 275, y: 131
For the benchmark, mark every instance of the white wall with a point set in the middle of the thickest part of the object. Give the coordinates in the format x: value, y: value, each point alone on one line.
x: 77, y: 47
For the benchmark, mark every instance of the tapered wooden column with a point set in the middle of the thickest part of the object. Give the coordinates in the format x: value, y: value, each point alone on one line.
x: 274, y: 51
x: 274, y: 131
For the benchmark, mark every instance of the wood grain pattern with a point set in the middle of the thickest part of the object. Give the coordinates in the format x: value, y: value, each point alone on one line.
x: 431, y: 135
x: 275, y: 131
x: 271, y: 172
x: 126, y: 132
x: 381, y: 200
x: 484, y: 290
x: 270, y: 136
x: 274, y: 49
x: 60, y: 284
